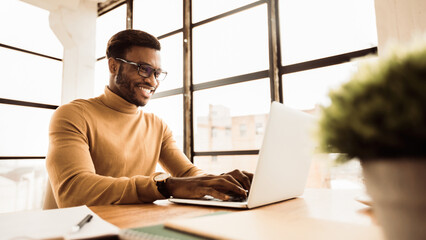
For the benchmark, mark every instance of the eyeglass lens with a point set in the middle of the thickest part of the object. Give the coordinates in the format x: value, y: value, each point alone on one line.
x: 146, y: 71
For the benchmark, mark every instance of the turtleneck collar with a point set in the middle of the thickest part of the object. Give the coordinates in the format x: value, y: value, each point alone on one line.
x: 116, y: 102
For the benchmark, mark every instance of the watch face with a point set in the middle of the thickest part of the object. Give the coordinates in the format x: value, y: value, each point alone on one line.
x: 161, y: 177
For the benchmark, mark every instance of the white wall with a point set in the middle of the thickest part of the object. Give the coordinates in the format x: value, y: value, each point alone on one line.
x: 399, y: 20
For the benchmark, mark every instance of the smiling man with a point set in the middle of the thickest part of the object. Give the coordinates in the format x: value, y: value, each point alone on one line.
x: 105, y: 150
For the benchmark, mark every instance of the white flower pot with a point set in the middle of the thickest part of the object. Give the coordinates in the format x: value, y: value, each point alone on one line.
x: 398, y: 190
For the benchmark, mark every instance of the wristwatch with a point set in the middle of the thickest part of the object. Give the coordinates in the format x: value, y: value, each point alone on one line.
x: 160, y: 180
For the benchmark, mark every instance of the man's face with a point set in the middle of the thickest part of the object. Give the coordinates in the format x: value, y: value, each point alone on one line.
x: 128, y: 84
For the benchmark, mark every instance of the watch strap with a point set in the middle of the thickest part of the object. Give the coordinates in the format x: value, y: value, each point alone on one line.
x: 161, y: 187
x: 160, y: 181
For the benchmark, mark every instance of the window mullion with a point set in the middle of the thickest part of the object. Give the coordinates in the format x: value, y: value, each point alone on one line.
x: 274, y: 51
x: 188, y: 143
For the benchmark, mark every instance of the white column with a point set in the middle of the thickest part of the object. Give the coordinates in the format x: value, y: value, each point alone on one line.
x: 74, y: 24
x: 398, y: 21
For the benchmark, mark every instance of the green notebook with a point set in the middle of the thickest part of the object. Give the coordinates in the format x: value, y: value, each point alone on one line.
x: 158, y: 232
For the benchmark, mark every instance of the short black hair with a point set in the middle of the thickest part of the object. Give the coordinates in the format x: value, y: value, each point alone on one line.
x: 121, y: 42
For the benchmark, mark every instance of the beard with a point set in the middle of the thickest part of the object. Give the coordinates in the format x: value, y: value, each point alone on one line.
x: 127, y: 90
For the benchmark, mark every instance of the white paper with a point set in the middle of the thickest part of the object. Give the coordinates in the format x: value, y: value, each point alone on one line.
x: 55, y: 223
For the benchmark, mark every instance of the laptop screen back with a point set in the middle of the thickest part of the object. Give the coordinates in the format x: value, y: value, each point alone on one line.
x: 284, y: 158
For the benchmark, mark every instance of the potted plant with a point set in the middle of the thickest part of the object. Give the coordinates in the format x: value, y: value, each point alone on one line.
x: 379, y: 118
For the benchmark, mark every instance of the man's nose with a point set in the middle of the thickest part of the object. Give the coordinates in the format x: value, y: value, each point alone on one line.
x: 151, y: 81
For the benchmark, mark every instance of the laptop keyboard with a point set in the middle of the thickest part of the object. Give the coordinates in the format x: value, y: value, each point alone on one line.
x: 232, y: 199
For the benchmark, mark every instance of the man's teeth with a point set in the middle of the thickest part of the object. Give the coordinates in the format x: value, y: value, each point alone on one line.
x: 145, y: 89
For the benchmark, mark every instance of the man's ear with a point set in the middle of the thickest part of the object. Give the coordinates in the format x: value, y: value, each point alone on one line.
x: 113, y: 66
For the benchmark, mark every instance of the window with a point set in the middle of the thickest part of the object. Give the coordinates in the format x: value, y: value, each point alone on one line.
x: 228, y: 132
x: 28, y: 77
x: 313, y: 29
x: 214, y: 132
x: 230, y: 86
x: 217, y: 48
x: 101, y: 76
x: 243, y: 130
x: 157, y: 17
x: 222, y: 164
x: 320, y: 82
x: 316, y: 31
x: 203, y: 9
x: 107, y: 25
x: 24, y: 130
x: 34, y: 34
x: 172, y: 62
x: 253, y: 100
x: 259, y: 128
x: 22, y: 184
x: 170, y: 109
x: 31, y: 66
x: 231, y: 89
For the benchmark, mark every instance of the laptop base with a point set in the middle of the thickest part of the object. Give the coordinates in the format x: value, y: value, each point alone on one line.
x: 209, y: 202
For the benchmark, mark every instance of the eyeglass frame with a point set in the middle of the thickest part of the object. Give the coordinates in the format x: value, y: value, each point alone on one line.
x: 153, y: 70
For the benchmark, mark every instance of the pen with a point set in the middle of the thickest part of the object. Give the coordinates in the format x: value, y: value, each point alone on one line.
x: 82, y: 223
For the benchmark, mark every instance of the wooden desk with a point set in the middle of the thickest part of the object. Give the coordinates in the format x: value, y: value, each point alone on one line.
x: 127, y: 216
x: 324, y: 204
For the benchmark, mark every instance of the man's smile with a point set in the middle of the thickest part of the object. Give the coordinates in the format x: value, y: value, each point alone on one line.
x: 146, y: 91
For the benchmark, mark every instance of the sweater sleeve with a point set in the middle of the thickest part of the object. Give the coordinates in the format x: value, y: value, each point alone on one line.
x: 72, y: 172
x: 173, y: 160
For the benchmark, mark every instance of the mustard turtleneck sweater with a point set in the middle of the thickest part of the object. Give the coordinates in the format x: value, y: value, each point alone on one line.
x: 105, y: 150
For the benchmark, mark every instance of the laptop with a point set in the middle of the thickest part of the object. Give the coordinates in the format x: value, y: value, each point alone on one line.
x: 283, y: 164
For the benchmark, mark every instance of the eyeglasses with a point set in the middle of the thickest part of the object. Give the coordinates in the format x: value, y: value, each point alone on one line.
x: 145, y: 70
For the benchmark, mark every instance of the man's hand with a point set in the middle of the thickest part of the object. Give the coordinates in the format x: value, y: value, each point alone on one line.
x: 224, y: 186
x: 243, y: 177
